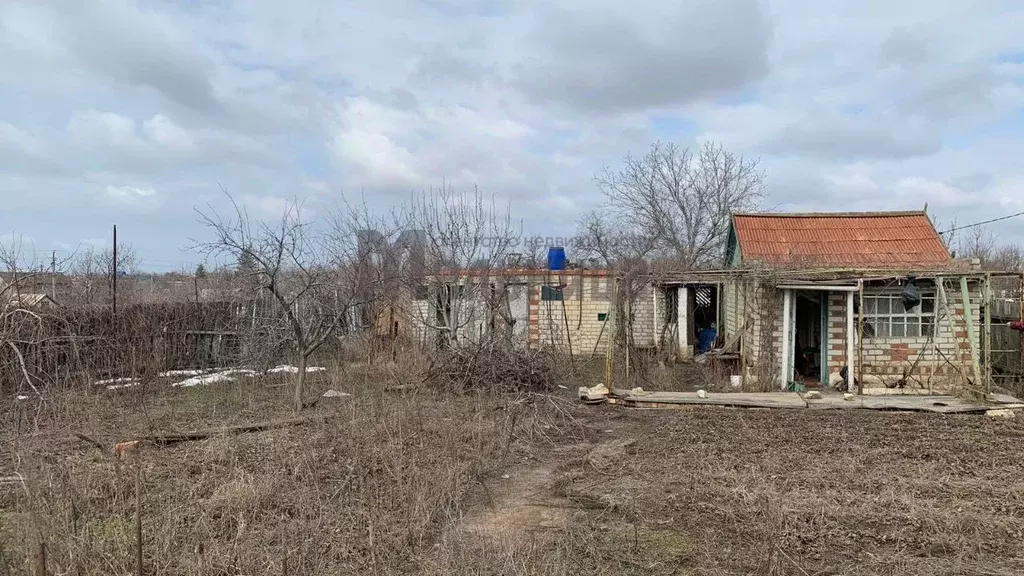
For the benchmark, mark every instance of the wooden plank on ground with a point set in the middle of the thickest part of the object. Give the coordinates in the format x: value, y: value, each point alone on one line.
x: 915, y: 403
x: 746, y: 400
x: 1004, y: 399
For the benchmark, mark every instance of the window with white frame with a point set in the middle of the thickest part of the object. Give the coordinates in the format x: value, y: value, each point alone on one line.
x: 885, y: 316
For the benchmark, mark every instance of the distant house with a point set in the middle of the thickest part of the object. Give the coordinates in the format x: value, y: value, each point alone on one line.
x: 32, y: 301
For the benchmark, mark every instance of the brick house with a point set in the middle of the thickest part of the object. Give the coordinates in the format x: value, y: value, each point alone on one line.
x: 800, y: 298
x: 816, y: 293
x: 566, y: 309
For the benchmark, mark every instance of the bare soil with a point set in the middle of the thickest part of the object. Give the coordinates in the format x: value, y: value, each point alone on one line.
x: 807, y: 492
x: 428, y: 483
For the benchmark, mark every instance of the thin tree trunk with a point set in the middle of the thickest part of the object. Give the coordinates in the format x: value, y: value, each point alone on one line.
x: 300, y: 383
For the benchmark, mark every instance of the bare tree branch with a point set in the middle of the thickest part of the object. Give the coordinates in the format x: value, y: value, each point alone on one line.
x: 679, y: 201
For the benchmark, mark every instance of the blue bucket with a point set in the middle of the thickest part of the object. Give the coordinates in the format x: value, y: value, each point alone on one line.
x: 556, y: 258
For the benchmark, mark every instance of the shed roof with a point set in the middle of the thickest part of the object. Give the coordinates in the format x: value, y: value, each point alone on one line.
x: 884, y: 240
x: 30, y: 300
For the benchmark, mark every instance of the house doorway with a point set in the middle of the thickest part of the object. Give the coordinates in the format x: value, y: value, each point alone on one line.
x: 809, y: 349
x: 704, y: 326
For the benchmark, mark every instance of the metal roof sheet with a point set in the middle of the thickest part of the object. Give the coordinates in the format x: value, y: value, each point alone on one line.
x: 875, y: 239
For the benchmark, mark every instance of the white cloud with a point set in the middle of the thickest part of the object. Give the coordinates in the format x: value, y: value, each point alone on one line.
x: 92, y: 128
x: 158, y: 142
x: 937, y: 194
x: 14, y: 140
x: 382, y: 144
x: 364, y: 140
x: 133, y: 107
x: 163, y: 132
x: 129, y: 192
x: 273, y: 208
x: 134, y: 198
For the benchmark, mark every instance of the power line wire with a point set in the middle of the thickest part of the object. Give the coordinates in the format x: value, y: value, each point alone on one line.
x: 1007, y: 217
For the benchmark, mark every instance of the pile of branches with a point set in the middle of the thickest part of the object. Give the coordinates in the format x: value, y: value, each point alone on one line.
x: 493, y: 366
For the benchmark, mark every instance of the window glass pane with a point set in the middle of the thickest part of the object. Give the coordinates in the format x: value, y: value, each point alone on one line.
x: 870, y: 306
x: 882, y: 328
x: 869, y: 329
x: 926, y: 327
x: 549, y: 293
x: 897, y: 328
x: 883, y: 305
x: 913, y: 327
x: 928, y: 305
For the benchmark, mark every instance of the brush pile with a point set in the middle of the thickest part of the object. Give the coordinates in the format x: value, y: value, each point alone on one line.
x: 493, y: 366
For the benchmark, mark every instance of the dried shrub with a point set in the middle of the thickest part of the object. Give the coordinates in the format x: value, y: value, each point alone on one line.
x: 494, y: 366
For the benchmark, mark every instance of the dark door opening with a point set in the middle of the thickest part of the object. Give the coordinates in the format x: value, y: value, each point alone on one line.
x: 807, y: 336
x: 703, y: 317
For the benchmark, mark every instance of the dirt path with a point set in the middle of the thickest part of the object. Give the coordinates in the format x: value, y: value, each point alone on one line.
x: 523, y: 503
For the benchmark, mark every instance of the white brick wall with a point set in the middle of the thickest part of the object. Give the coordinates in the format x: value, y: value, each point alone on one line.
x: 923, y: 361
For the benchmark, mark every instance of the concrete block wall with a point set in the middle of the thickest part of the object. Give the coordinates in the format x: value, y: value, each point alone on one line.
x: 836, y: 336
x: 730, y: 312
x: 418, y: 321
x: 752, y: 296
x: 472, y: 317
x: 574, y: 321
x: 644, y: 330
x: 662, y: 336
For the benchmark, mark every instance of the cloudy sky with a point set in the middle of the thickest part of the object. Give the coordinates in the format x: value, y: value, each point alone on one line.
x: 133, y: 112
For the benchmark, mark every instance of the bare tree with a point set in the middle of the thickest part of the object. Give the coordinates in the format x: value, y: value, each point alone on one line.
x: 92, y: 271
x: 1008, y: 258
x: 977, y: 243
x: 681, y: 200
x: 308, y: 279
x: 21, y: 319
x: 466, y: 240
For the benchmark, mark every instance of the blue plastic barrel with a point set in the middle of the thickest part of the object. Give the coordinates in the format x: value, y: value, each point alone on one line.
x: 556, y: 258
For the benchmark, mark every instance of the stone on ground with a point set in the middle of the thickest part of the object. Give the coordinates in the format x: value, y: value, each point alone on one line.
x: 1002, y: 413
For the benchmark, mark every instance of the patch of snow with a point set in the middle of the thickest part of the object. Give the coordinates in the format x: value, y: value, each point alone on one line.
x: 22, y: 397
x: 222, y: 375
x: 204, y: 380
x: 124, y: 385
x: 240, y: 372
x: 113, y: 381
x: 293, y: 369
x: 170, y: 373
x: 335, y: 394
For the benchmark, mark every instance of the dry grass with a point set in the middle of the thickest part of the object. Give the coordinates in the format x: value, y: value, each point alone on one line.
x: 366, y: 489
x: 436, y: 483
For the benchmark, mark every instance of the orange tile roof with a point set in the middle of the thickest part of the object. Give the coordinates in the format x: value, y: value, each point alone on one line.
x: 841, y: 239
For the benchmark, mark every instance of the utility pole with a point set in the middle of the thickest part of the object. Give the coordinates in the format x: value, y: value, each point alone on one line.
x: 53, y: 276
x: 114, y: 284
